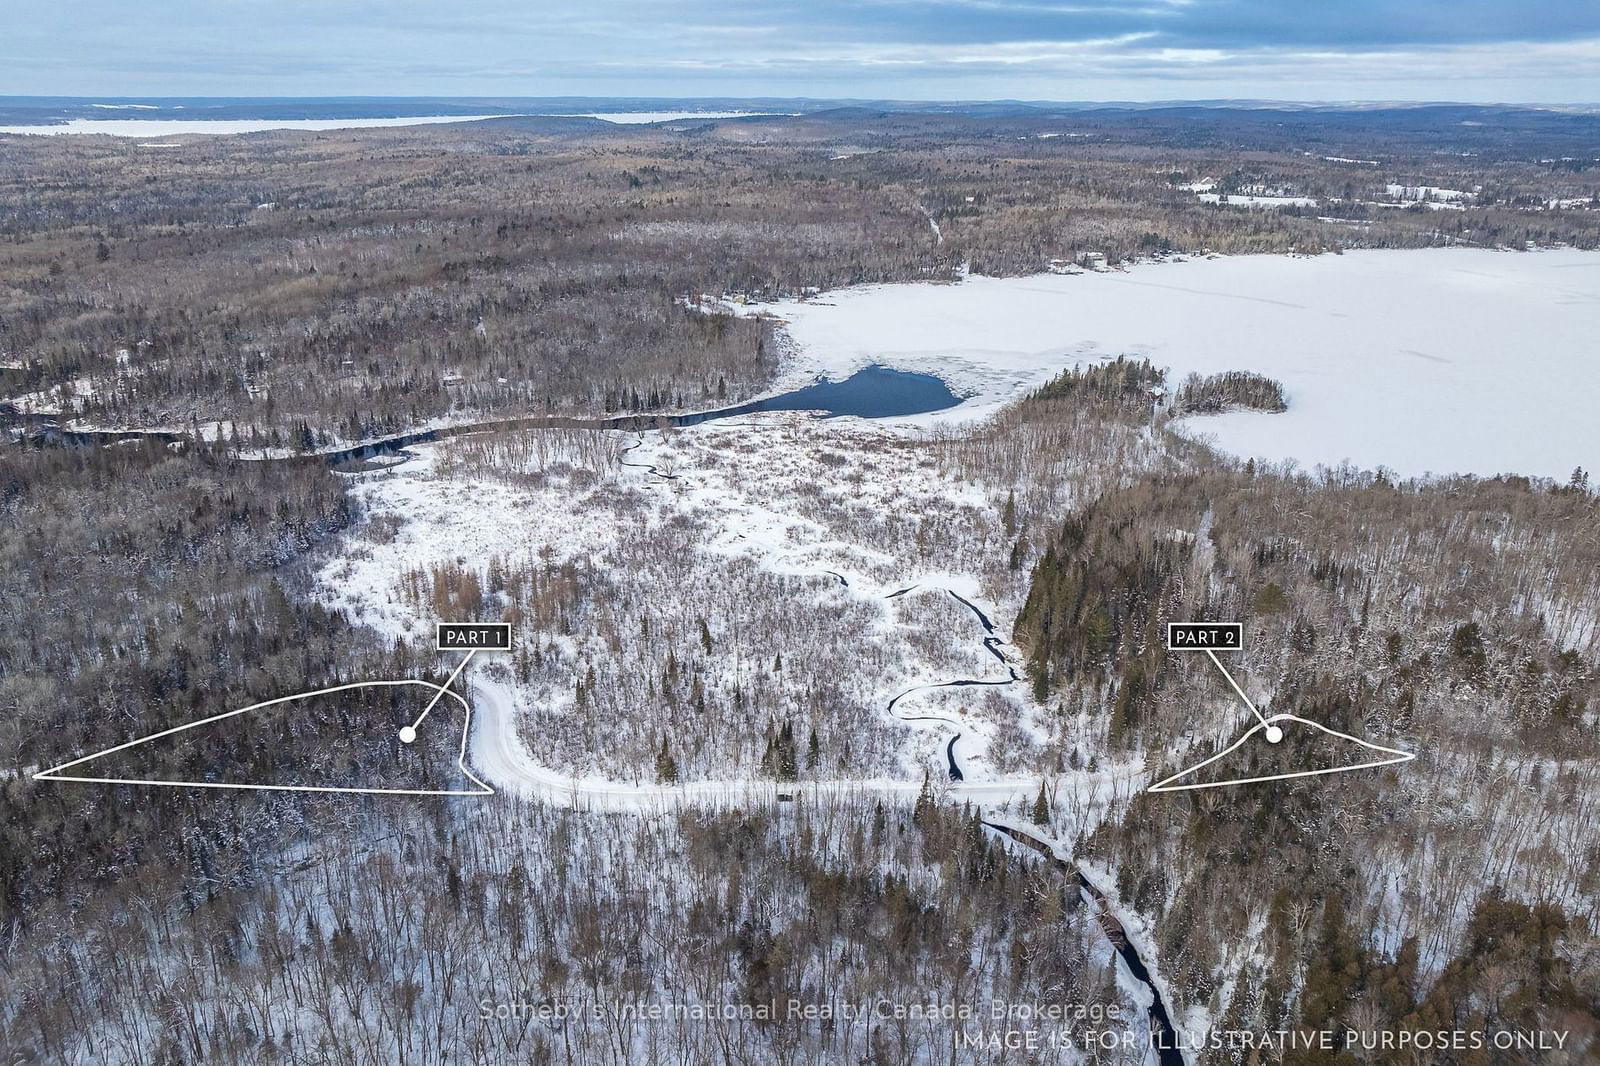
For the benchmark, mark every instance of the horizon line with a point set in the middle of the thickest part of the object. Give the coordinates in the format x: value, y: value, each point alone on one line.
x: 1214, y: 101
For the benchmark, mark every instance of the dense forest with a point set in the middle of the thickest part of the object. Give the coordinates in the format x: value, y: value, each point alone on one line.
x: 120, y: 611
x: 278, y: 293
x: 1386, y: 900
x: 286, y: 290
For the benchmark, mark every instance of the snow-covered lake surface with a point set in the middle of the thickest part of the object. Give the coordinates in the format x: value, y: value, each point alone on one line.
x: 172, y: 127
x: 1433, y: 361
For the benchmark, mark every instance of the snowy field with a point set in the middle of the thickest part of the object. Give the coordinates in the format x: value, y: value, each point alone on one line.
x: 829, y: 561
x: 1435, y: 361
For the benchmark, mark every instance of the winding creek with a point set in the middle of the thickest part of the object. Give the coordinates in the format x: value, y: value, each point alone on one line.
x: 872, y: 392
x: 991, y: 644
x: 1163, y: 1037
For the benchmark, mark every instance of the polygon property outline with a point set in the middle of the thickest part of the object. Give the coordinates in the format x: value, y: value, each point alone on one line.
x: 55, y: 772
x: 1395, y: 757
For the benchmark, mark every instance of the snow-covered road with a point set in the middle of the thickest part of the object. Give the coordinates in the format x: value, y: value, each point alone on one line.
x: 498, y: 754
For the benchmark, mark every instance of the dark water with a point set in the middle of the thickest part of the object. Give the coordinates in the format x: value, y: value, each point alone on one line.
x: 872, y: 392
x: 1163, y: 1037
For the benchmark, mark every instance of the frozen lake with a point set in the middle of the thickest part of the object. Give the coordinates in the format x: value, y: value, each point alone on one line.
x: 1433, y: 361
x: 176, y: 127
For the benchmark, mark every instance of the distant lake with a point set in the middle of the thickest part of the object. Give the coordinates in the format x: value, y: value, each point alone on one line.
x: 176, y: 127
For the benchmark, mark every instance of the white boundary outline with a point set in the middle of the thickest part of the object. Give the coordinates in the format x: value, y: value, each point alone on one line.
x: 1397, y: 756
x: 55, y: 774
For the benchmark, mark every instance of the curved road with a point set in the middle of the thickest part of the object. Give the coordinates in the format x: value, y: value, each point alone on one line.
x: 503, y: 760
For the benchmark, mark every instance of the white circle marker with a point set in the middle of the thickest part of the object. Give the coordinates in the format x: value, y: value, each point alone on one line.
x: 1274, y: 734
x: 407, y: 734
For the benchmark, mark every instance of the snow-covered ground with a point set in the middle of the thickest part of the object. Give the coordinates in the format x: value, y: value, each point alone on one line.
x: 837, y: 569
x: 1247, y: 196
x: 1432, y: 361
x: 1245, y: 200
x: 498, y: 753
x: 1426, y: 192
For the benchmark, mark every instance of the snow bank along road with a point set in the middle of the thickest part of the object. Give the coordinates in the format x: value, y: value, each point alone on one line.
x: 499, y: 755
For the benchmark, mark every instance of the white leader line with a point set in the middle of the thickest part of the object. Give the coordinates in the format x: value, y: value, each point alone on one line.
x: 483, y: 789
x: 1236, y: 688
x: 440, y: 694
x: 1396, y: 756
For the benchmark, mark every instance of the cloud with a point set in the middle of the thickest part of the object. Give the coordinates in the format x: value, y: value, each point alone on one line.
x: 1073, y: 49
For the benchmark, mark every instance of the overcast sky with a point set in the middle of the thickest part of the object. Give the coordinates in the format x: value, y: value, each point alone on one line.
x: 1469, y: 50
